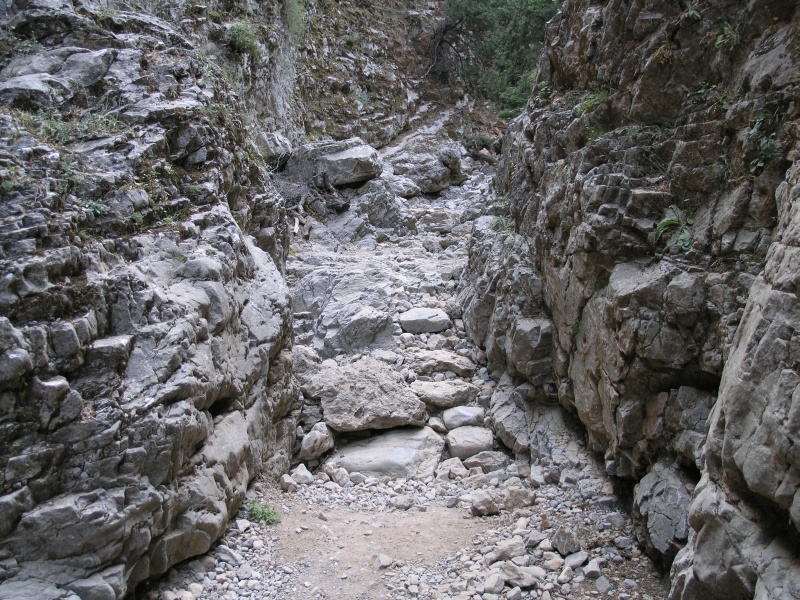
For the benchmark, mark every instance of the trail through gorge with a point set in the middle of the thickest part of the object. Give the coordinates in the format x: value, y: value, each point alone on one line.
x: 420, y: 498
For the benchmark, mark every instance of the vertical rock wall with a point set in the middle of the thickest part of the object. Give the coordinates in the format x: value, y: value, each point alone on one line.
x: 145, y: 337
x: 648, y: 181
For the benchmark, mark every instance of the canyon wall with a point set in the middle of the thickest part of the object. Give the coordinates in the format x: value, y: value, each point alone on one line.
x: 145, y: 345
x: 644, y: 243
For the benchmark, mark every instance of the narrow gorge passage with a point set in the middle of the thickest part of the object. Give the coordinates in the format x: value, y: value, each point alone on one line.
x: 393, y: 511
x: 471, y: 342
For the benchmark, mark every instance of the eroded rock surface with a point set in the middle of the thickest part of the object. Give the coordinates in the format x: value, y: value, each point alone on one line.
x: 660, y: 285
x: 146, y: 375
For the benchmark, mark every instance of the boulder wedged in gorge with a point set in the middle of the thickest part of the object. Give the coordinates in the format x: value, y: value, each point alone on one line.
x: 146, y: 375
x: 648, y: 222
x: 367, y: 394
x: 335, y: 162
x: 409, y: 452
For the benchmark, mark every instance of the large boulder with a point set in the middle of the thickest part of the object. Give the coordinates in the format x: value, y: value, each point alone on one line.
x: 335, y: 162
x: 431, y: 173
x: 403, y: 453
x: 445, y: 394
x: 342, y: 310
x: 428, y: 362
x: 424, y: 320
x: 367, y: 394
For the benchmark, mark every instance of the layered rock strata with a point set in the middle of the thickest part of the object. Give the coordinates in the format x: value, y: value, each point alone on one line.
x: 644, y: 219
x: 145, y: 364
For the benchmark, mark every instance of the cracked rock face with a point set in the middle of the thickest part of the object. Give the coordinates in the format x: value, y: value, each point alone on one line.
x: 663, y: 285
x: 145, y: 368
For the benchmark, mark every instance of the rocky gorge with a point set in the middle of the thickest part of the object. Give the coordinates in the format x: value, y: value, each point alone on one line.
x: 248, y: 258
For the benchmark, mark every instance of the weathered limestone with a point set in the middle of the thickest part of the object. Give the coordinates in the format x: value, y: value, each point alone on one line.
x: 445, y: 394
x: 335, y: 162
x: 145, y: 376
x: 412, y: 452
x: 366, y: 394
x: 424, y: 320
x: 467, y: 441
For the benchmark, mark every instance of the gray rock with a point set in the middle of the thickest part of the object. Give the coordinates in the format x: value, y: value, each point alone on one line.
x: 661, y: 510
x: 592, y: 570
x: 528, y: 347
x: 424, y: 320
x: 464, y: 442
x: 275, y: 148
x: 302, y: 475
x: 565, y: 540
x: 518, y: 497
x: 402, y: 502
x: 603, y: 585
x: 524, y: 577
x: 445, y: 394
x: 402, y: 453
x: 510, y: 548
x: 288, y: 484
x: 383, y: 561
x: 428, y: 362
x: 344, y: 310
x: 452, y: 468
x: 487, y: 461
x: 338, y: 162
x: 367, y: 394
x: 509, y: 422
x: 340, y: 476
x: 494, y: 583
x: 578, y: 559
x: 483, y: 504
x: 316, y: 442
x: 460, y: 416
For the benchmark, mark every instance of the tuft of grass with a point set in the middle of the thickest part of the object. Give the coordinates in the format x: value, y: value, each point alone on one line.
x: 262, y: 511
x: 51, y: 127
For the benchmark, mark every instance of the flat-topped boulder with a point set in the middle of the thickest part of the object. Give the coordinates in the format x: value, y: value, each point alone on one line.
x: 428, y: 362
x: 411, y: 452
x: 424, y: 320
x: 445, y: 394
x: 337, y: 162
x: 367, y: 394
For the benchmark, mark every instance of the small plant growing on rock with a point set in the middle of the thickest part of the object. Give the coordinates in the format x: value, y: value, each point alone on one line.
x: 663, y: 55
x: 764, y: 142
x: 501, y: 224
x: 262, y: 511
x: 680, y: 224
x: 243, y: 39
x: 728, y: 36
x: 98, y: 208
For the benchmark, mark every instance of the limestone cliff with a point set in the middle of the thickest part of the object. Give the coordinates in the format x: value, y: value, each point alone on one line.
x: 145, y: 344
x: 643, y: 241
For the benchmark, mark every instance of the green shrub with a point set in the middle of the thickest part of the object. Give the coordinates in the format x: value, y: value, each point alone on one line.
x: 243, y: 39
x: 508, y: 38
x: 261, y: 511
x: 295, y: 17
